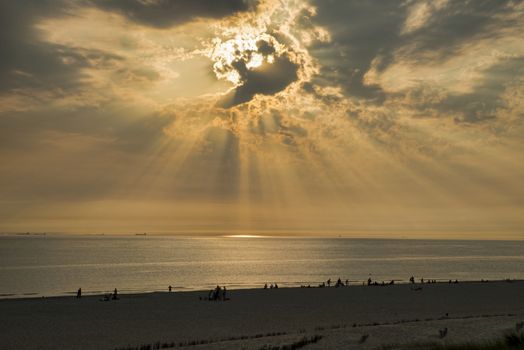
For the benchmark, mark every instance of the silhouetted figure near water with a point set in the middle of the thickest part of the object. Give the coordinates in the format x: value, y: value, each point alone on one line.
x: 421, y: 280
x: 115, y: 295
x: 329, y: 282
x: 79, y: 293
x: 369, y: 281
x: 339, y: 283
x: 216, y: 293
x: 347, y: 283
x: 276, y: 286
x: 443, y: 332
x: 170, y: 288
x: 412, y: 280
x: 224, y: 294
x: 265, y: 286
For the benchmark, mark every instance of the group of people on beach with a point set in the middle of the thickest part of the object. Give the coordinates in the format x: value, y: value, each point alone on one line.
x: 412, y: 280
x: 110, y: 296
x: 106, y: 297
x: 370, y: 282
x: 219, y: 293
x: 338, y: 284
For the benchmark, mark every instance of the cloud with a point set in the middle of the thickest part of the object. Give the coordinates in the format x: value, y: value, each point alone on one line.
x: 35, y: 71
x: 357, y: 106
x: 485, y: 101
x: 268, y: 79
x: 168, y: 13
x: 455, y: 25
x: 359, y: 33
x: 375, y: 34
x: 25, y: 60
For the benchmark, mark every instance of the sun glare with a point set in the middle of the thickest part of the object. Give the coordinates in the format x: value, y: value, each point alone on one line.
x: 245, y: 51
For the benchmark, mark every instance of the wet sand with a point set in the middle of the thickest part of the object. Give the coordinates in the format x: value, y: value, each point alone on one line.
x: 251, y: 319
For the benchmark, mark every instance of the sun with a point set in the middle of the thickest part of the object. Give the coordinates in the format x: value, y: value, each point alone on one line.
x: 246, y: 51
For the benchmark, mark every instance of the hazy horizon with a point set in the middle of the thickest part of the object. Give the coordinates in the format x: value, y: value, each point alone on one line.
x: 365, y: 235
x: 399, y: 119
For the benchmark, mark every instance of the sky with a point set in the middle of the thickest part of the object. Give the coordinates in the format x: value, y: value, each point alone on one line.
x: 399, y: 118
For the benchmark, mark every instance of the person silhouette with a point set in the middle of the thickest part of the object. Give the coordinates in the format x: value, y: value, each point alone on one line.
x: 115, y: 295
x: 170, y: 288
x: 79, y: 293
x: 329, y: 282
x: 216, y: 294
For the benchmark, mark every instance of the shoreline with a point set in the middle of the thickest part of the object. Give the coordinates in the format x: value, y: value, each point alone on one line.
x: 282, y: 285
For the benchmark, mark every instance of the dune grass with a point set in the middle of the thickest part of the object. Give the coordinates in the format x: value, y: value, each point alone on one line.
x: 511, y: 341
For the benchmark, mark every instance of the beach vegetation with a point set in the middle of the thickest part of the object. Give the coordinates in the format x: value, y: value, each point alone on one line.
x: 295, y: 345
x: 510, y: 341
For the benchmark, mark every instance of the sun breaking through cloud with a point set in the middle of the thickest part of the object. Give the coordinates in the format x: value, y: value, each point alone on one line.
x: 302, y: 116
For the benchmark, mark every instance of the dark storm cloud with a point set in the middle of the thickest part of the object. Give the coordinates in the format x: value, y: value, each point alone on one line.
x: 168, y: 13
x: 370, y: 32
x: 360, y: 32
x: 268, y: 79
x: 28, y: 62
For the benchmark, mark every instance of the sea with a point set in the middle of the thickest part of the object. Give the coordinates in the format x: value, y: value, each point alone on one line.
x: 53, y: 265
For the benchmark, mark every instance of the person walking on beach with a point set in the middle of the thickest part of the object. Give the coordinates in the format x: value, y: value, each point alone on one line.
x: 115, y: 295
x: 224, y: 293
x: 216, y: 294
x: 329, y: 282
x: 79, y: 293
x: 170, y: 288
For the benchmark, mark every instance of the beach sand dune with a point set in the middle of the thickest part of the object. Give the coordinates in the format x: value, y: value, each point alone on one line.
x: 358, y: 316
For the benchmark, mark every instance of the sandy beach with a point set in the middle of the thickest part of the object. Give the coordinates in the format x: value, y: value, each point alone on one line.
x: 359, y: 317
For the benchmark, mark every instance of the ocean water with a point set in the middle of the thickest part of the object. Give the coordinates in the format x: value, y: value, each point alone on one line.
x: 59, y: 265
